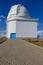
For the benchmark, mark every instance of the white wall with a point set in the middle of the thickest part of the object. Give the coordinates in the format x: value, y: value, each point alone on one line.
x: 26, y: 29
x: 23, y: 29
x: 11, y: 28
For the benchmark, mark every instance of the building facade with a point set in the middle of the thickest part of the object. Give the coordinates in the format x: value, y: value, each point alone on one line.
x: 20, y: 24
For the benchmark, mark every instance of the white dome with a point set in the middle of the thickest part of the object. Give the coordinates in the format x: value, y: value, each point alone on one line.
x: 18, y: 10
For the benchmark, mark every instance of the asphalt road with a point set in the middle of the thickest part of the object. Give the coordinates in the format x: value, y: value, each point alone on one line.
x: 20, y: 52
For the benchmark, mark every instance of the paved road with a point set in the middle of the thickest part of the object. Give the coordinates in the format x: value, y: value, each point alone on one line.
x: 20, y: 52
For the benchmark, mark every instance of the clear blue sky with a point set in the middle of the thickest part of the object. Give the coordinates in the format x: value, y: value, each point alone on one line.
x: 35, y: 7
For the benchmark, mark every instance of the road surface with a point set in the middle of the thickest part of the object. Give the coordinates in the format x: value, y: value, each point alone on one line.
x: 20, y: 52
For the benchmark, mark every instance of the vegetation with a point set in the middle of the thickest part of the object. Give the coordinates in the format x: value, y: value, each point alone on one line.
x: 3, y: 39
x: 38, y: 42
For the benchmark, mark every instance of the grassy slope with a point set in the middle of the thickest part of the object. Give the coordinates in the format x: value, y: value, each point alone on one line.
x: 2, y: 40
x: 38, y: 42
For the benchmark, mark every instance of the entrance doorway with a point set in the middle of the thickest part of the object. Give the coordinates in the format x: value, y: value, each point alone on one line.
x: 13, y: 35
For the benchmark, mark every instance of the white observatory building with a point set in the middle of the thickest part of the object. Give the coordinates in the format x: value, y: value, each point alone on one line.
x: 20, y: 24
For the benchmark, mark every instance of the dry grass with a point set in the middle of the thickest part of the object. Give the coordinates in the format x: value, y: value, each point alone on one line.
x: 38, y: 42
x: 2, y: 40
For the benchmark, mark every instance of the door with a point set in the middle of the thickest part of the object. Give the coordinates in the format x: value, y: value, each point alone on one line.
x: 13, y: 35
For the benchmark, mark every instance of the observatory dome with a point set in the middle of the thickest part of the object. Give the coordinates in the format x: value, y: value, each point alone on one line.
x: 19, y: 11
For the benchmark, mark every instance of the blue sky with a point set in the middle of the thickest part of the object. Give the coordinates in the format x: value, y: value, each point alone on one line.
x: 34, y: 7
